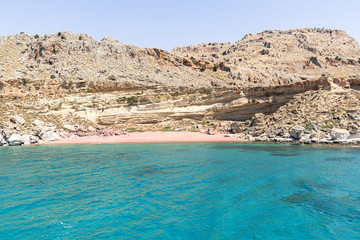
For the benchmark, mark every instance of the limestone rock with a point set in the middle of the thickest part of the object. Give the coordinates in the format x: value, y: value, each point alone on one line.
x: 297, y: 132
x: 17, y: 120
x: 50, y: 136
x: 339, y: 134
x: 15, y: 140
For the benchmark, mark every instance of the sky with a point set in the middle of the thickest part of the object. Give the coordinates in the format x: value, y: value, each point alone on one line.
x: 166, y: 24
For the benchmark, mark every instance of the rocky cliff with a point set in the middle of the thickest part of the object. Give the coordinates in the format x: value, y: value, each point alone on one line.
x: 68, y: 78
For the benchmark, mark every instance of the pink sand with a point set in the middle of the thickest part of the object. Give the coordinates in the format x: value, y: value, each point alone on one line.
x: 148, y: 137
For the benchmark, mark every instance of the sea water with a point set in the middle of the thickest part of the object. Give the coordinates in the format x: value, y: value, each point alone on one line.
x: 180, y: 191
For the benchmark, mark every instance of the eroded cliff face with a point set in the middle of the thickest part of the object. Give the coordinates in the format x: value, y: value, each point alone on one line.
x: 280, y: 57
x: 70, y: 78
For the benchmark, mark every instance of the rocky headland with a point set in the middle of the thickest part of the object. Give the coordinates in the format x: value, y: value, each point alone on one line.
x: 300, y: 85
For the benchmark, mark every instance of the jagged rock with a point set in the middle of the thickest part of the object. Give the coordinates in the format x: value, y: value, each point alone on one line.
x: 297, y: 132
x: 17, y: 120
x: 339, y: 134
x: 15, y: 140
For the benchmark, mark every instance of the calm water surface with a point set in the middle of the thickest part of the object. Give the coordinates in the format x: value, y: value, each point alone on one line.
x: 179, y: 191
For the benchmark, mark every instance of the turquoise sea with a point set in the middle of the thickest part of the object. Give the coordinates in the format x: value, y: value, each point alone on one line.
x: 180, y: 191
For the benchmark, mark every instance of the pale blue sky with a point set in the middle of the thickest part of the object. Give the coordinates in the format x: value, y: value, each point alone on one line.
x: 165, y: 24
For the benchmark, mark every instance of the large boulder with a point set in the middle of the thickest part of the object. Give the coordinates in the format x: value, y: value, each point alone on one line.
x: 17, y: 120
x: 50, y: 136
x: 26, y: 139
x: 7, y: 132
x: 15, y: 140
x: 339, y: 134
x: 297, y: 132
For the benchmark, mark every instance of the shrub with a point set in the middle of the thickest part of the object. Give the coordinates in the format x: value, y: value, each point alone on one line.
x: 359, y: 60
x: 63, y: 37
x: 337, y: 58
x: 80, y: 38
x: 166, y: 128
x: 130, y: 101
x: 215, y: 68
x: 309, y: 126
x: 36, y: 36
x: 331, y: 125
x: 24, y: 81
x: 264, y: 52
x: 59, y: 34
x: 192, y: 58
x: 21, y: 32
x: 315, y: 61
x: 70, y: 84
x: 202, y: 69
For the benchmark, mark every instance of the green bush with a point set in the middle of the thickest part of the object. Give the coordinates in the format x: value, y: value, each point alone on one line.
x: 70, y: 84
x: 63, y: 37
x: 337, y: 58
x: 309, y: 126
x: 130, y: 101
x: 166, y: 129
x: 24, y: 81
x: 36, y: 36
x: 315, y: 61
x: 359, y: 60
x: 215, y: 68
x: 80, y: 38
x: 202, y: 69
x: 331, y: 125
x: 192, y: 58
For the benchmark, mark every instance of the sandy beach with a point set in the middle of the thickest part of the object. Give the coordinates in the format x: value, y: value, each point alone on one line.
x: 147, y: 137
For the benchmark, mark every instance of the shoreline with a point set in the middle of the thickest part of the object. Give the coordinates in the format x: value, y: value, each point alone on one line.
x: 147, y: 137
